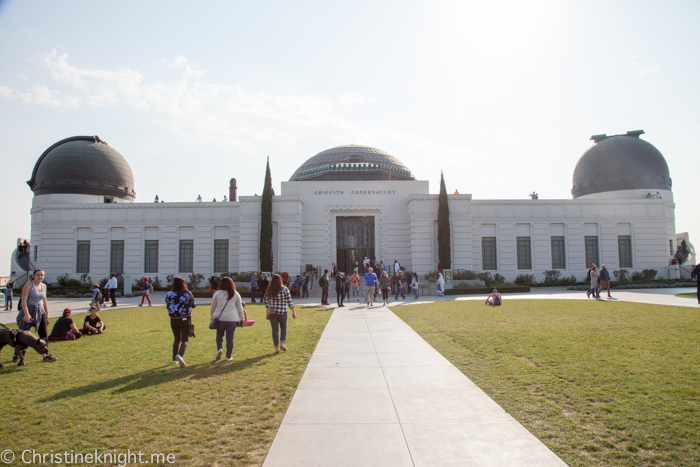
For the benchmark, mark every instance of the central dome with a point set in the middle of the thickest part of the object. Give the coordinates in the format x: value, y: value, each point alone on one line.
x: 352, y: 162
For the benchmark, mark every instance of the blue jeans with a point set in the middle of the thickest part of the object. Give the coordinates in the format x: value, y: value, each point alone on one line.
x: 227, y: 327
x: 594, y: 291
x: 415, y: 291
x: 279, y: 322
x: 305, y: 291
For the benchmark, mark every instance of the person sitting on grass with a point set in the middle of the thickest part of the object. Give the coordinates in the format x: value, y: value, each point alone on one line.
x: 93, y: 324
x: 494, y: 299
x: 64, y: 328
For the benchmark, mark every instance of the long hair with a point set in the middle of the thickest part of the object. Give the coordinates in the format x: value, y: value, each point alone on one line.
x: 227, y: 284
x: 275, y: 286
x: 178, y: 284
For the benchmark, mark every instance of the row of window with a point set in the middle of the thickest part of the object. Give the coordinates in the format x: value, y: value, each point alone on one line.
x: 489, y: 260
x: 151, y: 252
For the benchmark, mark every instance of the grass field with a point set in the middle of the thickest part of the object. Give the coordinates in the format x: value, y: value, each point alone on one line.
x: 120, y: 390
x: 688, y: 295
x: 601, y: 384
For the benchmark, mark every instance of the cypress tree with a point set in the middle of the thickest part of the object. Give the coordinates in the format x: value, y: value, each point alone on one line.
x: 266, y: 223
x: 444, y: 247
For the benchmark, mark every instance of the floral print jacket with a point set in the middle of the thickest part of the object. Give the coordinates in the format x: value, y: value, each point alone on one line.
x: 180, y: 304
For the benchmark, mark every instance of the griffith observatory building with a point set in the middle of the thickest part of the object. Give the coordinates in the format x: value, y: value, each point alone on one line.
x: 341, y: 205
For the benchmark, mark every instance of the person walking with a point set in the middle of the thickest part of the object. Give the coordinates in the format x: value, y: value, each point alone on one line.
x: 371, y: 282
x: 112, y: 285
x: 8, y: 295
x: 384, y: 284
x: 604, y: 275
x: 34, y: 310
x: 440, y: 285
x: 593, y: 277
x: 325, y: 285
x: 400, y: 286
x: 253, y: 287
x: 146, y: 288
x: 278, y: 298
x: 355, y: 283
x: 414, y: 284
x: 339, y: 289
x: 227, y: 306
x: 180, y: 302
x: 96, y: 297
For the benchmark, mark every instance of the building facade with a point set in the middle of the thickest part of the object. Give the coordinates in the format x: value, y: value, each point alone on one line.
x: 344, y: 204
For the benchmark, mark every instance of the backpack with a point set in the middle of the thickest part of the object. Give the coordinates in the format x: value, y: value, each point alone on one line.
x: 98, y: 297
x: 497, y: 300
x: 320, y: 281
x: 150, y: 287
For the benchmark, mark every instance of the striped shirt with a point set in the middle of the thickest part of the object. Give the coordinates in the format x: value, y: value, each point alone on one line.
x: 280, y: 303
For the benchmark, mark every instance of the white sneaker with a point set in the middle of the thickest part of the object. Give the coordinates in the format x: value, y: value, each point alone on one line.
x: 174, y: 362
x: 180, y: 361
x: 229, y: 359
x: 219, y: 354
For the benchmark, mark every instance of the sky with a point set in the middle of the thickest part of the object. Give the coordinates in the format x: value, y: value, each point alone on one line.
x: 500, y: 96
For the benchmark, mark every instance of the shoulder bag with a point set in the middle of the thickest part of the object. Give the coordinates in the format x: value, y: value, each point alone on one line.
x: 269, y: 311
x: 214, y: 323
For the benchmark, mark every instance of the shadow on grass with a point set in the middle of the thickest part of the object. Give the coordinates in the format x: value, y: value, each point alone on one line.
x: 160, y: 375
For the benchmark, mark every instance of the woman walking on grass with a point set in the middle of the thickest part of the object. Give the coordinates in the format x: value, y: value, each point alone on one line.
x: 180, y: 302
x: 278, y: 298
x: 226, y: 304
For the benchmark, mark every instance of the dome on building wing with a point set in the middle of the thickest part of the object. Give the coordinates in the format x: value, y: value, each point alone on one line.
x: 352, y: 162
x: 83, y: 165
x: 620, y: 162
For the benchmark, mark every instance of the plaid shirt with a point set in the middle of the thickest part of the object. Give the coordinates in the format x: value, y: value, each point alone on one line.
x: 280, y: 302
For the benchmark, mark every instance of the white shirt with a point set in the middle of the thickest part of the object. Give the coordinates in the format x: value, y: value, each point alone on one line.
x: 112, y: 283
x: 397, y: 267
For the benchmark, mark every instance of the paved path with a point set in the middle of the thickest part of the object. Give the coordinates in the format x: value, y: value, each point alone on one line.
x: 376, y: 394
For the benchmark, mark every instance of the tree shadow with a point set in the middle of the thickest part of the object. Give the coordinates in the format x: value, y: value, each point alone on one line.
x: 156, y: 376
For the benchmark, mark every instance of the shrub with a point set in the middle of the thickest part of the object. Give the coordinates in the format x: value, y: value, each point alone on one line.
x: 525, y: 279
x: 572, y: 280
x: 463, y: 275
x: 194, y: 280
x: 637, y: 276
x: 649, y: 274
x: 486, y: 277
x: 552, y: 276
x: 499, y: 279
x: 430, y: 276
x: 622, y: 275
x: 66, y: 281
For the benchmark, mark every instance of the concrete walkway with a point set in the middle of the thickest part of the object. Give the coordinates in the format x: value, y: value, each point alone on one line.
x: 376, y: 394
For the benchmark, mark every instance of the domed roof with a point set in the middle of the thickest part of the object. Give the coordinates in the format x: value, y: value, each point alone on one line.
x: 352, y: 162
x: 620, y: 162
x: 83, y: 165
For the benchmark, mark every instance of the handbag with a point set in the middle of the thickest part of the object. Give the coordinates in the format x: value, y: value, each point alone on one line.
x: 214, y: 323
x: 269, y: 312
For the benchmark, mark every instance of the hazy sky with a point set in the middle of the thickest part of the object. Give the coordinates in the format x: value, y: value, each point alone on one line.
x: 501, y: 96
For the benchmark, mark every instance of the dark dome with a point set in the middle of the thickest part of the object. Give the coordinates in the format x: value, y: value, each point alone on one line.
x: 83, y: 165
x: 620, y: 162
x: 352, y: 162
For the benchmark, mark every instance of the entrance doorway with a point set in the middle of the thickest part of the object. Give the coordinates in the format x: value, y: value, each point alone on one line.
x: 354, y: 241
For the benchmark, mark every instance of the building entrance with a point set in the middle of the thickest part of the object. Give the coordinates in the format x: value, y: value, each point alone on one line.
x: 354, y: 241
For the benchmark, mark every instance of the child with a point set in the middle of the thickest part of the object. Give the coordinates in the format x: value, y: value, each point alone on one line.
x: 96, y: 297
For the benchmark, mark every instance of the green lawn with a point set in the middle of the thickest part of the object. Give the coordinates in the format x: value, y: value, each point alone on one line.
x: 600, y: 383
x: 121, y: 391
x: 693, y: 295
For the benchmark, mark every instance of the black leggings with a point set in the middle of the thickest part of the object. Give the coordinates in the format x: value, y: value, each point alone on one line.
x: 339, y: 296
x: 181, y: 331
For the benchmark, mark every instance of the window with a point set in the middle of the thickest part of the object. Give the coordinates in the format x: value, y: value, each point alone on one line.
x: 591, y: 251
x: 558, y: 253
x: 116, y: 257
x: 624, y: 245
x: 150, y: 256
x: 488, y: 253
x: 524, y: 256
x: 82, y: 254
x: 220, y: 255
x: 186, y: 255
